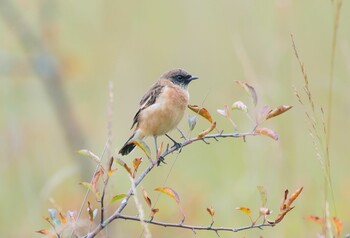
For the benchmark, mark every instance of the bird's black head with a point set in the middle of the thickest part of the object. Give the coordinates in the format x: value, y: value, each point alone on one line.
x: 179, y: 77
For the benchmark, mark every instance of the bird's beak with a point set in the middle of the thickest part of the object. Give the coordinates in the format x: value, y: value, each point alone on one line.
x: 193, y: 78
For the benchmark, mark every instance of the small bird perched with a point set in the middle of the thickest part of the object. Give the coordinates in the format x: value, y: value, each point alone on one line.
x: 161, y: 108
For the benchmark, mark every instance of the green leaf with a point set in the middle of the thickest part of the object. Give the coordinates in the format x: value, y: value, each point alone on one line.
x: 263, y: 195
x: 239, y: 106
x: 94, y: 213
x: 52, y: 213
x: 89, y: 154
x: 192, y: 121
x: 87, y: 185
x: 118, y: 197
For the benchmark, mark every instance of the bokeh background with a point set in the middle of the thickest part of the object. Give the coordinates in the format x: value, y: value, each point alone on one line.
x: 59, y: 58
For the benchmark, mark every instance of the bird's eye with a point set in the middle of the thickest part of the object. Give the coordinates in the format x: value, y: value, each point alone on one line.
x: 179, y: 77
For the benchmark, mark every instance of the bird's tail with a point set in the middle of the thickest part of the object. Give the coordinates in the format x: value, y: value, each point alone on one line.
x: 128, y: 147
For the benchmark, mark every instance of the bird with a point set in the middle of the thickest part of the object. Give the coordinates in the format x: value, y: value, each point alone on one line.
x: 161, y: 108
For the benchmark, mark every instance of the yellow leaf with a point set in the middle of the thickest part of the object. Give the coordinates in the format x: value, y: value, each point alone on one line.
x: 207, y: 131
x: 63, y: 218
x: 246, y: 210
x: 267, y: 132
x: 249, y: 90
x: 170, y: 192
x: 277, y: 111
x: 110, y: 172
x: 143, y: 146
x: 201, y: 111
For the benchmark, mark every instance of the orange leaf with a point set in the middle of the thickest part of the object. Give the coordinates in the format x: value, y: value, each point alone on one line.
x: 278, y: 111
x: 170, y: 192
x: 293, y: 197
x: 267, y: 132
x: 136, y: 163
x: 126, y: 167
x: 154, y: 211
x: 207, y: 131
x: 211, y: 211
x: 249, y: 90
x: 46, y: 232
x: 316, y: 219
x: 145, y: 196
x: 246, y: 210
x: 285, y: 205
x: 90, y: 212
x: 281, y: 215
x: 201, y: 111
x: 95, y: 179
x: 338, y: 225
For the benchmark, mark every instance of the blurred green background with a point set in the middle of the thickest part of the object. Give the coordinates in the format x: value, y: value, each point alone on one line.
x: 85, y: 45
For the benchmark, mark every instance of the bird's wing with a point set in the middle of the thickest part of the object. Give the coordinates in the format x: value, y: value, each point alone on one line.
x: 148, y: 99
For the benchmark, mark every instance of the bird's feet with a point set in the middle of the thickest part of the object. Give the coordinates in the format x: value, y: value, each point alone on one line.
x: 160, y: 160
x: 177, y: 145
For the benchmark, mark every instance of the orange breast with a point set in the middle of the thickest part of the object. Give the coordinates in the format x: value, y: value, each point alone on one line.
x: 165, y: 114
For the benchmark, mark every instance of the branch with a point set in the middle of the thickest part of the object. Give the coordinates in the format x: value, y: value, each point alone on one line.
x: 117, y: 213
x: 194, y: 228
